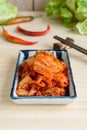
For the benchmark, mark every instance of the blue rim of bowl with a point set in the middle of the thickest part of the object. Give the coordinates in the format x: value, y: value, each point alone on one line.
x: 43, y: 97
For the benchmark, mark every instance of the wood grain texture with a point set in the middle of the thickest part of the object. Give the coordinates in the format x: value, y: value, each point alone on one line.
x: 42, y: 117
x: 40, y: 4
x: 22, y: 4
x: 29, y: 4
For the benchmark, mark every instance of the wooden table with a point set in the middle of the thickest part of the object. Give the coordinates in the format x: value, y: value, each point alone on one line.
x: 42, y: 117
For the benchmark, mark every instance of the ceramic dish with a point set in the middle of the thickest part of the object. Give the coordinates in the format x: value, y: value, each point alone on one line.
x: 62, y: 55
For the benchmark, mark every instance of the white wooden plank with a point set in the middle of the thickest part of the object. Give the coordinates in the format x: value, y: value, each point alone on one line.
x: 22, y: 4
x: 40, y: 4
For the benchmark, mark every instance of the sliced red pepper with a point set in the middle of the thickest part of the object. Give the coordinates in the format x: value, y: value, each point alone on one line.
x: 34, y: 33
x: 14, y: 39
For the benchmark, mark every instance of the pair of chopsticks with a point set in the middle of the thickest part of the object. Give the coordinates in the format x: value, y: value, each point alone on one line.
x: 71, y: 44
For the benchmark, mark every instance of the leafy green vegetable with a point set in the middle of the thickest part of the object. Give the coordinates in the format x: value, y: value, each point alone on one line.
x: 74, y: 13
x: 2, y: 1
x: 7, y: 11
x: 82, y: 27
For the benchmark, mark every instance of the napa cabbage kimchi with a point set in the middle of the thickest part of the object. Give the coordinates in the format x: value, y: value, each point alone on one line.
x: 42, y: 75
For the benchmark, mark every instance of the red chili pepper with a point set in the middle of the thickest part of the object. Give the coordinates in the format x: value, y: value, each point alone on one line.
x: 33, y: 33
x: 19, y: 19
x: 14, y: 39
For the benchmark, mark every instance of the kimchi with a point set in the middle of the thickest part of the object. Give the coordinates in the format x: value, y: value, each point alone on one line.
x: 42, y: 75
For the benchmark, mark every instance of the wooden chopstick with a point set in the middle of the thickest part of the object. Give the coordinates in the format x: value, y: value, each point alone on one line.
x: 71, y: 45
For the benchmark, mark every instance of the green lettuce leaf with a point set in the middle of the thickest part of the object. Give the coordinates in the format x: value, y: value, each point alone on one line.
x: 7, y: 11
x: 71, y: 4
x: 82, y: 27
x: 2, y: 1
x: 74, y: 13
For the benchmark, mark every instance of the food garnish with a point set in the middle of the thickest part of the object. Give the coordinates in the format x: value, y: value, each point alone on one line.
x: 19, y: 19
x: 73, y: 12
x: 34, y: 33
x: 14, y: 39
x: 7, y: 11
